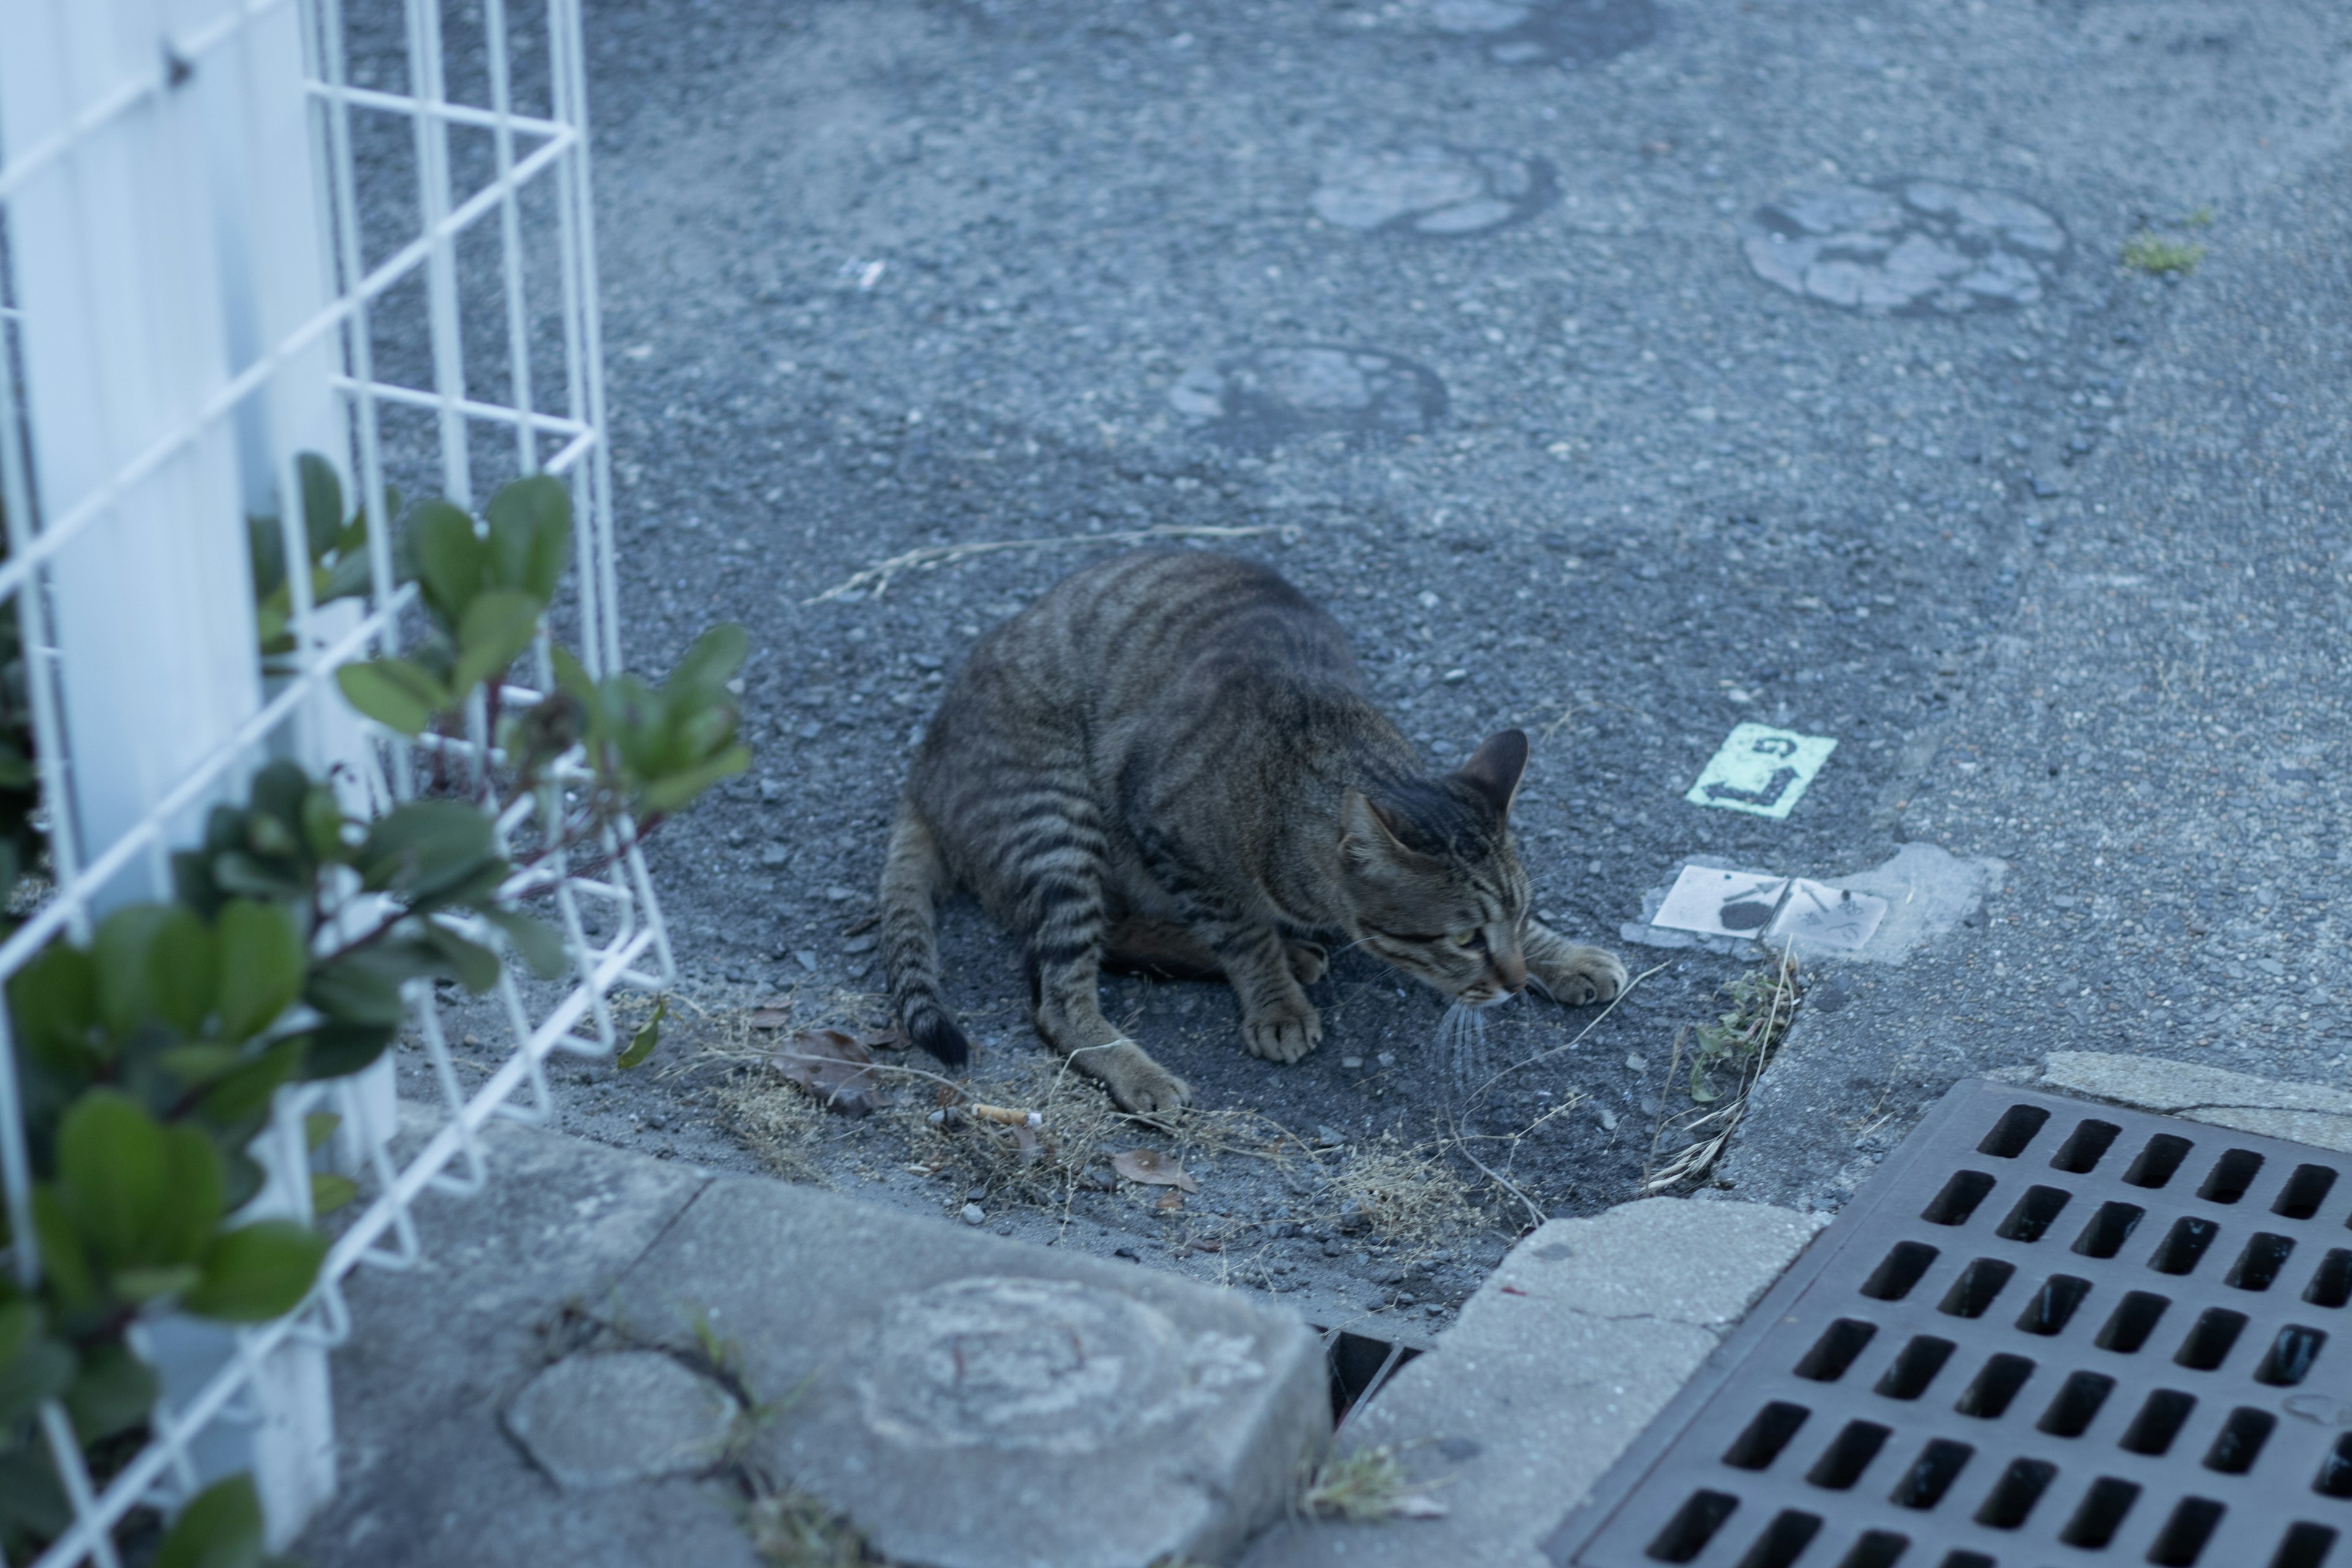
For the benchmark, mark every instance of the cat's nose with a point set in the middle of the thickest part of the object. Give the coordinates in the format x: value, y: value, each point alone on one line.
x: 1512, y: 971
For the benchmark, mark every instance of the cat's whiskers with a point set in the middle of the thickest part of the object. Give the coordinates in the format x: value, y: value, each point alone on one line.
x: 1462, y: 1034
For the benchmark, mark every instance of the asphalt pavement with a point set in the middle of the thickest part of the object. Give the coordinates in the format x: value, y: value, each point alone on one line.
x: 1623, y: 372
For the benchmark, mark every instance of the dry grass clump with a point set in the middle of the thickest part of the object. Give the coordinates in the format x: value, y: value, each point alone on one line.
x: 1041, y: 1166
x: 1407, y: 1195
x: 776, y: 1120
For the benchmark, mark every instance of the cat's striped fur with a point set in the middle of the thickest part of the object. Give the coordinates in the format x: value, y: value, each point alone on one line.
x: 1168, y: 760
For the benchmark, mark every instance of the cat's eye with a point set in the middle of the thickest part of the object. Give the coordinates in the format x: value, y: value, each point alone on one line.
x: 1467, y: 938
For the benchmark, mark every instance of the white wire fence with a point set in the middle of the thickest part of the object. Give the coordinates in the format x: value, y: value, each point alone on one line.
x: 233, y: 232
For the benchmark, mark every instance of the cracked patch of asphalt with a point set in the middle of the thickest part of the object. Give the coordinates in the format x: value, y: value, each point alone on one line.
x: 890, y: 275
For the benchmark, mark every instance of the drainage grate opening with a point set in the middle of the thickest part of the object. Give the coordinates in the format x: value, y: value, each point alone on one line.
x: 2085, y: 1147
x: 2100, y: 1513
x: 1783, y: 1541
x: 2182, y: 1540
x: 1931, y: 1475
x: 1835, y: 1350
x: 1693, y: 1526
x: 2077, y: 1404
x: 1357, y: 1365
x: 2208, y: 1344
x: 2305, y: 1192
x: 2288, y: 1361
x: 2134, y: 1319
x: 2160, y: 1158
x: 2109, y: 1229
x: 2305, y: 1546
x: 1843, y: 1462
x: 2053, y: 1306
x: 1879, y: 1549
x: 2258, y: 1266
x: 1958, y: 1199
x: 1901, y: 1268
x: 1974, y: 1290
x: 1987, y: 1395
x: 2158, y: 1422
x: 2014, y: 1132
x: 2232, y: 1173
x: 2336, y: 1471
x: 2013, y: 1495
x: 2240, y: 1442
x: 2161, y: 1389
x: 1756, y: 1448
x: 2332, y: 1285
x: 2183, y: 1245
x: 2032, y: 1215
x: 1915, y: 1367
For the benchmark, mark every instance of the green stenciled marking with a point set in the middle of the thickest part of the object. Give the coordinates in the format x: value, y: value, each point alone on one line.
x: 1761, y: 770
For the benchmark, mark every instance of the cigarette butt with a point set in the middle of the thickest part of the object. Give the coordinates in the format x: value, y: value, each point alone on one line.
x: 1005, y: 1115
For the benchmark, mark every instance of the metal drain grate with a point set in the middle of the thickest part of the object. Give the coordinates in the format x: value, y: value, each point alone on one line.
x: 2046, y: 1332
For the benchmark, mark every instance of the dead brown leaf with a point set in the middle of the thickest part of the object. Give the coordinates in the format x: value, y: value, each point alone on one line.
x: 770, y: 1017
x: 1152, y: 1169
x: 1171, y: 1202
x: 884, y: 1039
x: 836, y: 1068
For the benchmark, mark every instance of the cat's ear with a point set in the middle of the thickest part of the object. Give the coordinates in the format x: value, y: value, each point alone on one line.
x: 1494, y: 769
x: 1365, y: 837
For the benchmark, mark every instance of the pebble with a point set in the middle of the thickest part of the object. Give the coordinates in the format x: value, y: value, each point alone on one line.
x: 807, y: 958
x: 975, y: 1214
x: 838, y: 894
x: 774, y: 855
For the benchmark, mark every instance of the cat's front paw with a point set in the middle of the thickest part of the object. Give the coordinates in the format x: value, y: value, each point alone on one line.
x: 1309, y: 961
x: 1140, y: 1084
x: 1282, y: 1034
x: 1579, y: 975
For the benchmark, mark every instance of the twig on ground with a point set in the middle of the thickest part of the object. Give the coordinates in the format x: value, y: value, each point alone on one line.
x: 931, y: 557
x: 1580, y: 1034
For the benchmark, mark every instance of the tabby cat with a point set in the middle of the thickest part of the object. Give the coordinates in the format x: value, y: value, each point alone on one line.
x: 1169, y: 762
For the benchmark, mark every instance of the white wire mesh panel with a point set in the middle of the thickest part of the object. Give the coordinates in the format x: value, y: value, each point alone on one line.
x: 233, y: 232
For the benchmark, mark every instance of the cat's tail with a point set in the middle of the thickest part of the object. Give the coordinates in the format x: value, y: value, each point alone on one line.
x: 913, y: 876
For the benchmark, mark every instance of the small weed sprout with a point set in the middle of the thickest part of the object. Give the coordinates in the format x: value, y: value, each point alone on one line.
x: 1366, y: 1487
x: 790, y: 1529
x: 2158, y: 257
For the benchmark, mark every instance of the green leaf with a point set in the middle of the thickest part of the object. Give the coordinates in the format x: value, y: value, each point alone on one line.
x: 265, y: 546
x: 257, y: 1272
x: 183, y: 970
x: 641, y: 1044
x: 677, y: 790
x: 323, y: 826
x: 425, y: 844
x: 476, y: 966
x: 220, y: 1528
x: 394, y: 693
x: 318, y: 1127
x: 530, y: 534
x: 33, y: 1367
x: 330, y: 1192
x: 243, y: 1095
x: 65, y: 1262
x: 145, y: 1285
x: 322, y: 503
x: 453, y: 563
x: 353, y: 575
x: 120, y: 949
x: 706, y: 667
x: 337, y: 1050
x: 53, y: 1002
x: 540, y: 944
x: 498, y: 627
x: 353, y: 990
x: 262, y: 963
x: 111, y: 1173
x: 113, y: 1392
x: 32, y: 1503
x: 196, y: 1066
x: 195, y: 1187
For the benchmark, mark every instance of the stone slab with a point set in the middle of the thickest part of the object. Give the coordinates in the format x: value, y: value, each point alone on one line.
x: 429, y: 1477
x: 1579, y: 1338
x: 2310, y: 1113
x: 974, y: 1402
x: 631, y: 1415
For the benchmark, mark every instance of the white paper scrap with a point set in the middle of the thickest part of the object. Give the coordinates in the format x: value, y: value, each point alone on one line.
x: 1761, y: 770
x: 1823, y: 916
x: 1719, y: 903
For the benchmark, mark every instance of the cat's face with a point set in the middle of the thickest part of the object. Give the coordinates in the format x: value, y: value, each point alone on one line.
x: 1434, y: 885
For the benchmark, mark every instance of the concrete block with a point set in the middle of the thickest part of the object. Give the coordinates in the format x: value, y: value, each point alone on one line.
x: 429, y: 1477
x: 634, y: 1416
x: 2306, y: 1112
x: 972, y: 1403
x: 1570, y: 1348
